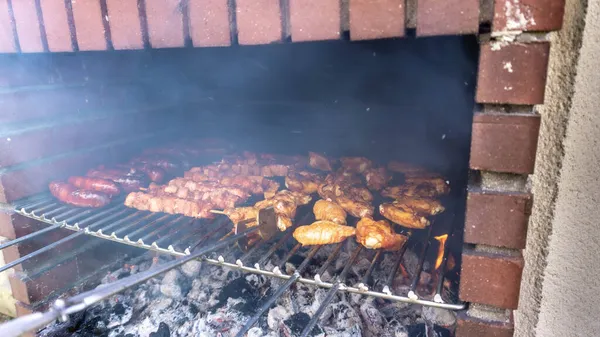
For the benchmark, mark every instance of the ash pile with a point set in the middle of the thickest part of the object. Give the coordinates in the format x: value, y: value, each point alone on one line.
x: 200, y: 299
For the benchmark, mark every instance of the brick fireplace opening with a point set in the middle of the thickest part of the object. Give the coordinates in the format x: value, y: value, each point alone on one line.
x: 92, y: 78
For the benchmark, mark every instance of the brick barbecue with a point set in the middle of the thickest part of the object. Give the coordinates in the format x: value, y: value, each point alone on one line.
x: 511, y: 79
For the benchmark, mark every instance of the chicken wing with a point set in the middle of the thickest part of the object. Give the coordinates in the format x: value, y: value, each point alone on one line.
x: 438, y: 184
x: 420, y: 205
x: 402, y: 216
x: 356, y: 208
x: 356, y: 164
x: 327, y: 210
x: 377, y: 178
x: 303, y: 182
x: 378, y: 234
x: 323, y: 232
x: 319, y: 162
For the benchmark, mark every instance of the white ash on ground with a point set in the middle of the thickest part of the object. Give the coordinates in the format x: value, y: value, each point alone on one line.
x: 199, y: 299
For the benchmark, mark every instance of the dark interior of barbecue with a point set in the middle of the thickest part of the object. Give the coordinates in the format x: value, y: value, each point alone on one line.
x: 338, y: 99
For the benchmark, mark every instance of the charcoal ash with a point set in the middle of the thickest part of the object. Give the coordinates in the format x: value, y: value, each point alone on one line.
x: 200, y: 299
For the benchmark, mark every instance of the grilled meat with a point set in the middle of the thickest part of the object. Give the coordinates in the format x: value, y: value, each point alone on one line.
x: 378, y: 234
x: 356, y: 208
x: 377, y: 178
x: 323, y: 232
x: 105, y: 186
x: 169, y: 204
x: 327, y: 210
x: 403, y: 216
x: 72, y: 195
x: 356, y: 164
x: 420, y: 205
x: 303, y: 182
x: 437, y: 184
x: 238, y: 214
x: 319, y: 162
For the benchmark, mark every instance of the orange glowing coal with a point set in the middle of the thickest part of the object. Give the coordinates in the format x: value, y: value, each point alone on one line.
x: 440, y: 256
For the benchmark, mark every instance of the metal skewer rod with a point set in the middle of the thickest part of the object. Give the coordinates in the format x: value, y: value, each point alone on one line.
x: 29, y: 236
x: 365, y: 280
x: 331, y: 293
x: 284, y: 287
x: 62, y: 308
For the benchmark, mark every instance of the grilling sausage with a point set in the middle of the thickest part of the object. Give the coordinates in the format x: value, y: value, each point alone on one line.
x: 71, y: 195
x: 128, y: 183
x: 96, y: 184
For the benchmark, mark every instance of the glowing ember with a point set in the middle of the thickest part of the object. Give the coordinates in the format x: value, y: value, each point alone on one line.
x: 440, y: 257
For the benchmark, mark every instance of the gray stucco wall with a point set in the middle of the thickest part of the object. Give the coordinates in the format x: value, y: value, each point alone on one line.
x: 561, y: 281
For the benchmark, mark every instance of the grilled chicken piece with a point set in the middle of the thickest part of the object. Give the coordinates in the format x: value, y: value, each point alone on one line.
x: 241, y: 213
x: 438, y: 184
x: 303, y: 182
x: 270, y: 188
x: 377, y: 178
x: 356, y: 164
x: 356, y: 208
x: 327, y: 210
x: 420, y: 205
x: 402, y: 216
x: 425, y: 189
x: 405, y: 168
x: 323, y: 232
x: 378, y: 234
x: 319, y: 162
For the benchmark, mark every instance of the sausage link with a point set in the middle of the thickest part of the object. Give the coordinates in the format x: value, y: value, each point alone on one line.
x: 70, y: 194
x: 128, y: 183
x: 96, y: 184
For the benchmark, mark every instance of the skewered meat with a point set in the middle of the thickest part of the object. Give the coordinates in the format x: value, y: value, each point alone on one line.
x: 169, y: 204
x: 420, y: 205
x: 303, y: 182
x: 378, y: 234
x: 319, y: 162
x: 71, y: 195
x: 323, y: 232
x: 356, y: 164
x: 356, y: 208
x: 270, y: 188
x: 96, y: 184
x: 403, y: 216
x: 327, y: 210
x: 377, y: 178
x: 241, y: 213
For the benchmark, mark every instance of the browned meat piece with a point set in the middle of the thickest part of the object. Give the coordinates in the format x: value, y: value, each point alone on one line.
x: 327, y: 210
x: 439, y: 185
x: 274, y: 170
x: 378, y: 234
x: 403, y: 217
x: 105, y: 186
x: 322, y: 233
x: 168, y: 204
x: 377, y: 178
x: 356, y: 164
x: 241, y: 213
x: 420, y: 205
x: 71, y: 195
x: 404, y: 168
x: 303, y: 182
x: 270, y: 188
x: 356, y: 208
x: 319, y: 162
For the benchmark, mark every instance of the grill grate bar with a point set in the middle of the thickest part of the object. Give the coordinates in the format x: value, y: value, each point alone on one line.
x: 172, y: 235
x: 278, y: 293
x: 417, y: 276
x: 331, y: 294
